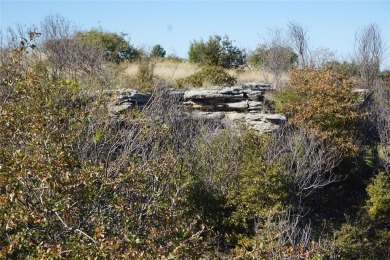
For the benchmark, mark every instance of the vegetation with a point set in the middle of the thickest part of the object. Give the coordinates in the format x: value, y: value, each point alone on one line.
x: 213, y: 75
x: 264, y: 55
x: 158, y: 51
x: 323, y: 102
x: 217, y: 51
x: 77, y: 182
x: 116, y: 48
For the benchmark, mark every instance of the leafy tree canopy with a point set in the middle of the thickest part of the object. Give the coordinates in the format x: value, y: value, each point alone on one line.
x: 217, y: 51
x: 158, y: 51
x: 115, y: 45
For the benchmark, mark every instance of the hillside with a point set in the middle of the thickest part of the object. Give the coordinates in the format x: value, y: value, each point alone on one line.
x: 109, y: 152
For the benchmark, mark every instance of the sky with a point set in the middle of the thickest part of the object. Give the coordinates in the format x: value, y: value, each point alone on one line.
x: 175, y: 24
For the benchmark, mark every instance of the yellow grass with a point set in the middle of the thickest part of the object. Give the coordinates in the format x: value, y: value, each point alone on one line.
x: 171, y: 71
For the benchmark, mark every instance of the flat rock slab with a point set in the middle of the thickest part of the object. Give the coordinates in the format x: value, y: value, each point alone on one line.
x: 240, y: 104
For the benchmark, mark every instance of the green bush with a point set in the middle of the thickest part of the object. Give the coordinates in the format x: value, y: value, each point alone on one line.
x: 379, y: 197
x: 115, y: 46
x: 212, y: 75
x: 346, y: 69
x: 217, y: 51
x: 158, y: 52
x: 75, y: 183
x: 145, y: 78
x: 361, y: 241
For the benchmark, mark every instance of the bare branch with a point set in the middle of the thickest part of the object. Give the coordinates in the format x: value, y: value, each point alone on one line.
x: 308, y: 161
x: 369, y: 53
x: 299, y: 42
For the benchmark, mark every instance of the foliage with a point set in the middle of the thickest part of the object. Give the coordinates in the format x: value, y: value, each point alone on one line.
x: 158, y: 51
x: 260, y: 186
x: 322, y: 101
x: 264, y: 54
x: 157, y: 183
x: 385, y: 75
x: 379, y: 196
x: 346, y: 69
x: 361, y: 241
x: 115, y: 46
x: 173, y: 58
x: 217, y: 51
x: 63, y: 195
x: 145, y: 78
x: 213, y: 75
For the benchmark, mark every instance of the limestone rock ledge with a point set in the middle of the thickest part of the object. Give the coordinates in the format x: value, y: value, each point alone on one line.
x: 243, y: 103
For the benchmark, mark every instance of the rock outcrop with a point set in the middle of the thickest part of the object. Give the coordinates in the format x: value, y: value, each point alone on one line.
x: 125, y: 99
x: 243, y: 103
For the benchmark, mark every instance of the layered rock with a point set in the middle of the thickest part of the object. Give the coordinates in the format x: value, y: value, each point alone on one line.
x: 243, y: 103
x: 125, y: 99
x: 246, y: 97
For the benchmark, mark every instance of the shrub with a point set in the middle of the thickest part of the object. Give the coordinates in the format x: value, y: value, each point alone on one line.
x: 145, y: 78
x: 114, y: 45
x: 270, y: 57
x: 361, y: 241
x: 158, y: 52
x: 323, y: 102
x: 379, y: 197
x: 213, y: 75
x: 217, y: 51
x: 76, y: 183
x: 346, y: 69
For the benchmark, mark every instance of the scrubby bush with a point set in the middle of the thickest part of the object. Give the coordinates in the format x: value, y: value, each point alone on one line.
x: 213, y: 75
x: 322, y: 101
x: 346, y: 69
x: 217, y: 51
x: 115, y: 46
x: 145, y: 78
x: 379, y: 197
x: 270, y: 57
x: 77, y: 182
x: 158, y: 52
x: 361, y: 240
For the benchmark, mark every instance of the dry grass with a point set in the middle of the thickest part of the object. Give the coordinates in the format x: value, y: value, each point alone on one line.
x: 171, y: 71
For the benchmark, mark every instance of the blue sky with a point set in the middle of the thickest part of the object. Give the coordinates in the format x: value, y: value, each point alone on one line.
x: 174, y: 24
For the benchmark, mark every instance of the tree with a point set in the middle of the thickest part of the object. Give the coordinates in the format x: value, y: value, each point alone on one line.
x: 299, y: 42
x: 380, y: 109
x: 66, y: 54
x: 217, y: 51
x: 158, y: 51
x: 115, y: 46
x: 270, y: 57
x: 275, y: 56
x: 322, y: 56
x: 369, y: 51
